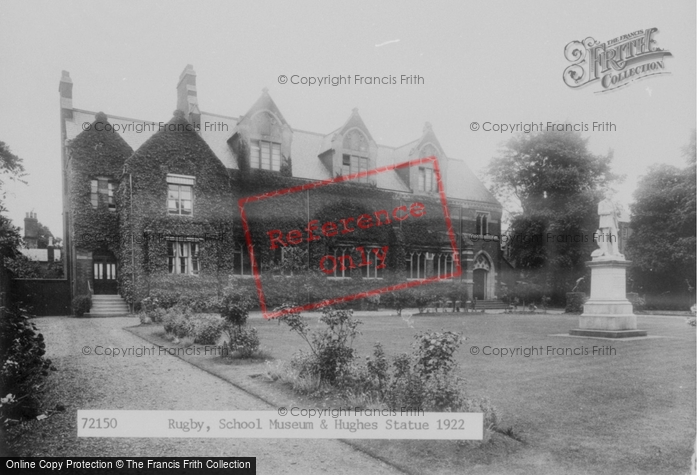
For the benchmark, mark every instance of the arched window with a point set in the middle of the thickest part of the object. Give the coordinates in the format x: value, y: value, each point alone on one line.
x: 482, y: 223
x: 416, y: 265
x: 443, y: 264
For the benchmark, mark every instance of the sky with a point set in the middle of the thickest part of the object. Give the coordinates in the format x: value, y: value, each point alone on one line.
x: 486, y: 61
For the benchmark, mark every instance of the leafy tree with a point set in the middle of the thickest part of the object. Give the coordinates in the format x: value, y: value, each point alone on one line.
x: 43, y: 235
x: 557, y: 183
x: 11, y: 168
x: 663, y: 242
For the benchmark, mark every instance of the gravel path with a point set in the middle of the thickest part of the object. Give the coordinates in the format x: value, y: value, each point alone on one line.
x: 163, y: 383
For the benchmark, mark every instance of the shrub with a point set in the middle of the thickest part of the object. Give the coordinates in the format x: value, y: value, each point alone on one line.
x: 243, y: 341
x: 422, y: 297
x: 426, y: 379
x: 177, y: 322
x: 406, y: 387
x: 378, y: 368
x: 150, y: 304
x: 157, y: 315
x: 235, y: 305
x: 332, y: 346
x: 206, y: 329
x: 81, y: 305
x: 23, y: 365
x: 435, y: 351
x: 399, y: 299
x: 638, y: 303
x: 304, y: 363
x: 574, y: 302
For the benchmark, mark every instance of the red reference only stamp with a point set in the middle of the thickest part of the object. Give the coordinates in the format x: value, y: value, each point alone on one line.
x: 315, y: 230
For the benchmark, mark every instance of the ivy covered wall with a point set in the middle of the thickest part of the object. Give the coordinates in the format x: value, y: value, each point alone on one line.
x: 144, y: 220
x: 139, y: 231
x: 97, y: 152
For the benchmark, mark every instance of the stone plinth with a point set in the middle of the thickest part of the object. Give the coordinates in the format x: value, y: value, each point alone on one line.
x: 608, y: 313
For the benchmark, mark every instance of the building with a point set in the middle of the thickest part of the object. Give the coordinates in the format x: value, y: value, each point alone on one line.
x: 45, y: 253
x: 154, y: 205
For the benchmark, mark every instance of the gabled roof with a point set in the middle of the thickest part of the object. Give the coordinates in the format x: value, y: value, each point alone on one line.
x: 460, y: 182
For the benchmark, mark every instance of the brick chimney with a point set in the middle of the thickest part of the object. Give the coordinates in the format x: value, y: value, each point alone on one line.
x: 50, y: 250
x: 187, y: 95
x: 65, y: 90
x: 31, y: 230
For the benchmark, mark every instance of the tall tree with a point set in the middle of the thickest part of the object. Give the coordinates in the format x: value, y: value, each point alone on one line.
x: 557, y: 182
x: 663, y: 244
x: 11, y: 168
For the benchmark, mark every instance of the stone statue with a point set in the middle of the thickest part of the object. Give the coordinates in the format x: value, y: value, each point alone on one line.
x: 608, y: 234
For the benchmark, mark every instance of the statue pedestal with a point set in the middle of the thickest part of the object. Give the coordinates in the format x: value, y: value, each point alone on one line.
x: 608, y: 313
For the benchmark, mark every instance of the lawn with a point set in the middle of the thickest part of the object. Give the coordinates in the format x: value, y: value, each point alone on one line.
x: 630, y: 408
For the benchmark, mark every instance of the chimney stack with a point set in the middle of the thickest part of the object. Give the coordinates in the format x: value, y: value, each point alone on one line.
x: 49, y: 250
x: 31, y: 230
x: 187, y: 95
x: 65, y: 89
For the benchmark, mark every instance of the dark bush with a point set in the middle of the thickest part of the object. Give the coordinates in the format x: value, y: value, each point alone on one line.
x: 81, y: 305
x: 638, y: 303
x: 243, y: 341
x: 575, y: 301
x: 206, y: 329
x: 23, y: 365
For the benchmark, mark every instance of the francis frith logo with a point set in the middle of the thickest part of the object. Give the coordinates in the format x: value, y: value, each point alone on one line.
x: 616, y: 62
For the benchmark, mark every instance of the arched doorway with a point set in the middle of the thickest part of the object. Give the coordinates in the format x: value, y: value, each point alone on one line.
x: 480, y: 284
x: 104, y: 273
x: 483, y: 277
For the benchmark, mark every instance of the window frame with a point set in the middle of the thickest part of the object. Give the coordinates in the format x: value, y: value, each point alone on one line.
x: 357, y: 163
x: 427, y: 180
x: 482, y: 223
x: 102, y: 191
x: 182, y: 183
x: 186, y: 256
x: 421, y: 257
x: 240, y: 254
x: 372, y: 268
x: 261, y: 146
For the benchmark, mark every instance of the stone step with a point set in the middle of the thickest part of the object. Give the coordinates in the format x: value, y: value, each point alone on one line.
x: 108, y: 306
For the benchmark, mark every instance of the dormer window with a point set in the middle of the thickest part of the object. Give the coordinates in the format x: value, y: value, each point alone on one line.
x: 180, y: 194
x: 355, y: 164
x: 427, y: 180
x: 355, y: 155
x: 265, y: 155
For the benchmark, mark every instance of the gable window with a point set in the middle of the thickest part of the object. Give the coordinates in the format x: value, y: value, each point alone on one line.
x: 482, y: 223
x: 265, y: 155
x: 180, y: 194
x: 183, y: 257
x: 427, y: 181
x: 105, y: 188
x: 355, y: 164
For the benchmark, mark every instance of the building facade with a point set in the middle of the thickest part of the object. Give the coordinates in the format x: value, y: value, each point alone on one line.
x: 154, y: 204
